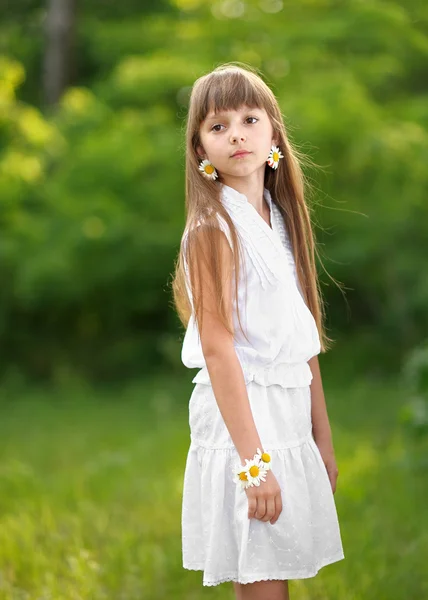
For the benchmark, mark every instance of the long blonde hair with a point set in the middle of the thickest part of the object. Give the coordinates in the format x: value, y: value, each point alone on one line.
x: 228, y: 87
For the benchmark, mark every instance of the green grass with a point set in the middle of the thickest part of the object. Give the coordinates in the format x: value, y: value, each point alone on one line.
x: 91, y: 483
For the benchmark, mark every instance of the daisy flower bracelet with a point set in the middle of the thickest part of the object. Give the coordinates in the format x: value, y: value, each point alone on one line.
x: 254, y: 471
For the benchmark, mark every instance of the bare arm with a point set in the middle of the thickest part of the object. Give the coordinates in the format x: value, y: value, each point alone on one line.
x: 227, y: 378
x: 224, y: 368
x: 320, y: 424
x: 230, y: 391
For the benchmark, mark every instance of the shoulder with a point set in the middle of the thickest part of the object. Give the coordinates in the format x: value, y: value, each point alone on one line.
x: 207, y: 226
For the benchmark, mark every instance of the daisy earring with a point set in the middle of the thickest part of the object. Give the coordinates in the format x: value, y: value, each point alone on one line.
x: 274, y: 156
x: 208, y: 170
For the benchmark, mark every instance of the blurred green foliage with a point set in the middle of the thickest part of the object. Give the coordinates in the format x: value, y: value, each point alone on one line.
x: 413, y: 415
x: 91, y: 496
x: 92, y: 194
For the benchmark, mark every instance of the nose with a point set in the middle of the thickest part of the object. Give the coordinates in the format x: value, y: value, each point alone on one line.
x: 236, y: 135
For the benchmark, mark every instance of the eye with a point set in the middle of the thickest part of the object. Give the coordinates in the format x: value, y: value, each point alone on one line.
x: 213, y: 128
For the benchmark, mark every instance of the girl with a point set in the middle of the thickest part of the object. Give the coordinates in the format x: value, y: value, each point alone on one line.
x: 258, y: 506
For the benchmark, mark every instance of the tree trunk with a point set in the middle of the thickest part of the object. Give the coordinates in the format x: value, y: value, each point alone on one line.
x: 59, y: 52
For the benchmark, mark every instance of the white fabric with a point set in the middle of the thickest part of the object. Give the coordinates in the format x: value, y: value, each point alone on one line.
x: 281, y: 329
x: 217, y: 536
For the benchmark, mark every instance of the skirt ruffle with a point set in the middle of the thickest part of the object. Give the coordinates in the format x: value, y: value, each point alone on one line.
x: 217, y: 535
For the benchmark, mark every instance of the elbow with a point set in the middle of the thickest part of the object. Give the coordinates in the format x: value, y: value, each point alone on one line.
x: 214, y: 352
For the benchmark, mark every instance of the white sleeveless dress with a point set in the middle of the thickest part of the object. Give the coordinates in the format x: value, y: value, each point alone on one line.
x: 218, y: 538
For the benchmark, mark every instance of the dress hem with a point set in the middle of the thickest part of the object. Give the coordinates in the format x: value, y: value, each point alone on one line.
x: 281, y: 575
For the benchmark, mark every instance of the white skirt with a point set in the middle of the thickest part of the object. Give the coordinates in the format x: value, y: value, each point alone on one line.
x: 218, y: 538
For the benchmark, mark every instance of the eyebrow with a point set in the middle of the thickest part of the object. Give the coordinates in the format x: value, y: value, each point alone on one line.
x: 216, y: 116
x: 224, y: 113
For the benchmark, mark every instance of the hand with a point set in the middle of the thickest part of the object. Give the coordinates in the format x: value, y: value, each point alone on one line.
x: 264, y: 501
x: 327, y: 454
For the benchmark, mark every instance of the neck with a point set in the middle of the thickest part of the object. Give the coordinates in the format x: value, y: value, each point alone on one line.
x: 252, y: 187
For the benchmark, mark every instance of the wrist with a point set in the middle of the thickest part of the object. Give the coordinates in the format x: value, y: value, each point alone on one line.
x: 249, y: 451
x: 254, y: 471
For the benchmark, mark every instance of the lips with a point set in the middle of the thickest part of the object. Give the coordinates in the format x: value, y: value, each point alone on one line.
x: 240, y: 153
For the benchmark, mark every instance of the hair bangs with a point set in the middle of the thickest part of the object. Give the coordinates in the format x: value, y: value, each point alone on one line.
x: 229, y: 90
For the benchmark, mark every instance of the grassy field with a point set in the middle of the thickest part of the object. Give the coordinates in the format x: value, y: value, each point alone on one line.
x: 91, y: 483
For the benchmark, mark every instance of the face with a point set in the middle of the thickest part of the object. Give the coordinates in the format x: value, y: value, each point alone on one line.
x: 224, y: 134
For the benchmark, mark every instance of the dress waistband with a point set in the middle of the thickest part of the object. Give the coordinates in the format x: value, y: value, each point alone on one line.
x: 283, y: 374
x: 196, y: 443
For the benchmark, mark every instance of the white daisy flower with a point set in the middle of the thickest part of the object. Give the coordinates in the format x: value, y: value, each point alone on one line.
x: 274, y: 155
x: 255, y: 471
x: 264, y: 459
x: 208, y: 169
x: 240, y: 477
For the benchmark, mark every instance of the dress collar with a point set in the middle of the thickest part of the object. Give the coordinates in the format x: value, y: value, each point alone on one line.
x: 264, y: 245
x: 232, y: 194
x: 238, y: 204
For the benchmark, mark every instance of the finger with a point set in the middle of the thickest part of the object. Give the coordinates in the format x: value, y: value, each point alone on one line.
x: 278, y: 508
x: 261, y: 507
x: 270, y: 508
x: 252, y: 505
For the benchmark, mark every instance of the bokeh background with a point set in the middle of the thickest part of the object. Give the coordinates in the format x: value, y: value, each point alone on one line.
x: 93, y: 394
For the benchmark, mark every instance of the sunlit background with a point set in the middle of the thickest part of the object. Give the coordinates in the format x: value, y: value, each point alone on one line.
x: 93, y: 394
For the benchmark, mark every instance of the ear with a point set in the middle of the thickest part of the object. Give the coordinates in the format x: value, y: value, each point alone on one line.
x: 200, y: 151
